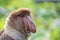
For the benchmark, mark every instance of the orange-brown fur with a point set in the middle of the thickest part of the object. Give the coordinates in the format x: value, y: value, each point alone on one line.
x: 18, y: 19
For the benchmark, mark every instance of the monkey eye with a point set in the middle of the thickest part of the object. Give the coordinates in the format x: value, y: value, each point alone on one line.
x: 22, y: 15
x: 19, y: 14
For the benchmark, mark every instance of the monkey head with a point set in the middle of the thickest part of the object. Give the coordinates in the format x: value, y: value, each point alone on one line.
x: 20, y: 19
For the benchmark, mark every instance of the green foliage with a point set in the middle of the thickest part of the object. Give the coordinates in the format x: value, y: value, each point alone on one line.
x: 1, y: 15
x: 2, y: 21
x: 43, y: 15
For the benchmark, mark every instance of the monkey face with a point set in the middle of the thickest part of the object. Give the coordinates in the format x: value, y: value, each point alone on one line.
x: 21, y: 20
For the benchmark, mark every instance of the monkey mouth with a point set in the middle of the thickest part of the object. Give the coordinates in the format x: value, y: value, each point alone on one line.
x: 27, y: 30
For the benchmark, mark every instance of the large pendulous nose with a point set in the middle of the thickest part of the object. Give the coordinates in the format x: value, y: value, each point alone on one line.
x: 32, y: 27
x: 29, y: 26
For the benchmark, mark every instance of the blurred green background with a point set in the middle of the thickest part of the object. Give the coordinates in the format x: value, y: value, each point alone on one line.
x: 45, y: 15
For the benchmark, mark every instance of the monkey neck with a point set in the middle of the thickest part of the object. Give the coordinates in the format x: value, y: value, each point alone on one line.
x: 14, y: 33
